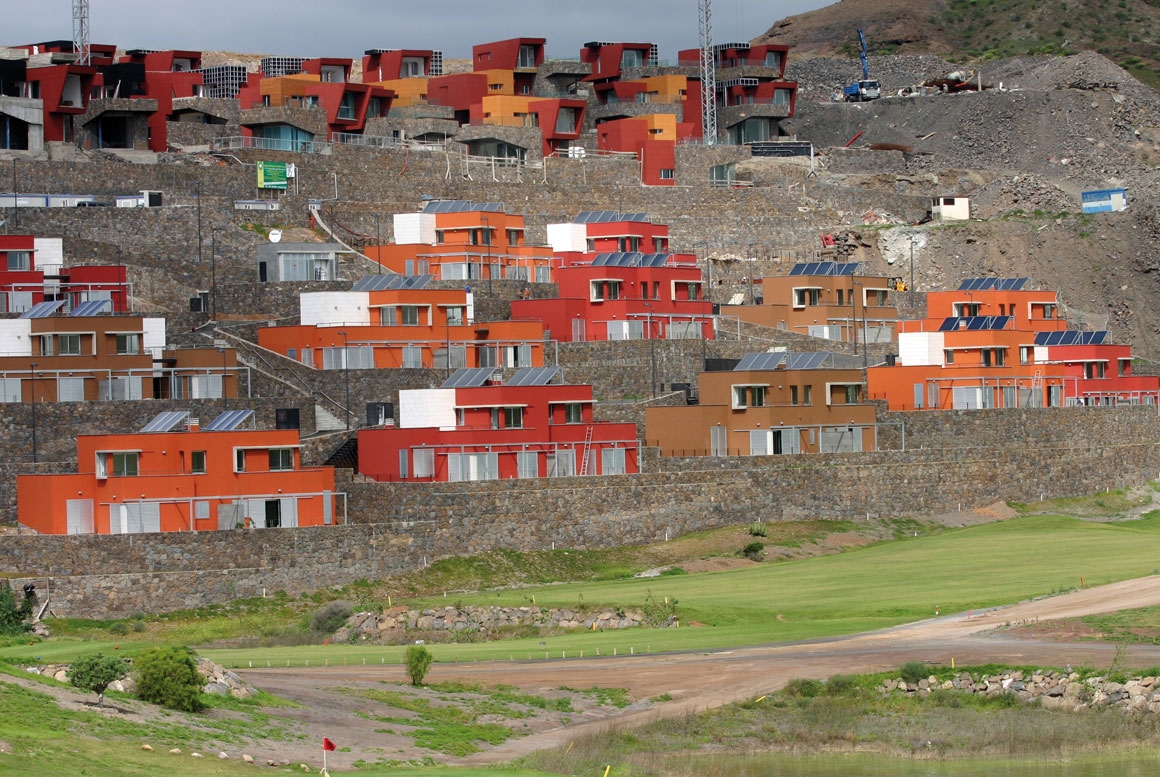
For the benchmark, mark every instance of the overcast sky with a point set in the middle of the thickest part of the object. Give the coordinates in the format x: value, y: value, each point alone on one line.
x: 346, y: 28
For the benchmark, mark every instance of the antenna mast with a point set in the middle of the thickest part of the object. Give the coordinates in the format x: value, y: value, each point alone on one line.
x: 708, y: 75
x: 81, y: 31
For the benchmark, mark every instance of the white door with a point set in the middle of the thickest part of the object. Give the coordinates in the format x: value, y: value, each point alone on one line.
x: 79, y: 514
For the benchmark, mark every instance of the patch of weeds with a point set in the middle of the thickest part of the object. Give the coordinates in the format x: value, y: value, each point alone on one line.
x: 666, y: 696
x: 604, y: 697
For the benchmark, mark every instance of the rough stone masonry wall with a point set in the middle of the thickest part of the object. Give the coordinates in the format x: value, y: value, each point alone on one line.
x: 407, y: 525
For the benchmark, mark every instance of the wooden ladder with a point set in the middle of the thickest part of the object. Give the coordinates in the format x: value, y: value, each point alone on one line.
x: 587, y: 449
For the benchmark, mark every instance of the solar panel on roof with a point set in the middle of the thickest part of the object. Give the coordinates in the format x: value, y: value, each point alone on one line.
x: 798, y: 269
x: 849, y: 268
x: 166, y: 421
x: 43, y: 309
x: 466, y: 377
x: 760, y: 361
x: 416, y: 281
x: 228, y: 421
x: 533, y: 376
x: 639, y: 217
x: 1071, y: 337
x: 91, y: 307
x: 806, y: 361
x: 373, y: 282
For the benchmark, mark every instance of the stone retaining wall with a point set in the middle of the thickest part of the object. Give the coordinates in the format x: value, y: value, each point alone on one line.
x: 404, y: 526
x: 1050, y: 689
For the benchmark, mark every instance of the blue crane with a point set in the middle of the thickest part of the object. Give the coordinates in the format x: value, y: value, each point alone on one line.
x: 866, y: 89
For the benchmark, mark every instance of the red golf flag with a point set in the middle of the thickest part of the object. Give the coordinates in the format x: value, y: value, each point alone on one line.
x: 328, y: 745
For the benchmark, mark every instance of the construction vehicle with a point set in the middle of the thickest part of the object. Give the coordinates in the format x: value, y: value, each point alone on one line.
x: 866, y: 89
x: 897, y: 284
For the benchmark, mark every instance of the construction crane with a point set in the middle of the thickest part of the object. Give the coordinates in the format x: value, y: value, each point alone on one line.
x: 866, y: 89
x: 81, y: 31
x: 708, y: 74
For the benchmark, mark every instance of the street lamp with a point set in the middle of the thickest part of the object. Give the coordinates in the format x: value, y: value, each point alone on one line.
x: 652, y: 351
x: 32, y: 382
x: 213, y: 274
x: 15, y: 199
x: 346, y: 376
x: 486, y: 237
x: 862, y: 295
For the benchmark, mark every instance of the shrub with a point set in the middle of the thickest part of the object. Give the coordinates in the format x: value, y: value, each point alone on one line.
x: 119, y: 629
x: 913, y: 671
x: 840, y: 684
x: 168, y: 676
x: 13, y: 617
x: 757, y: 529
x: 95, y: 673
x: 753, y: 551
x: 418, y: 662
x: 330, y: 617
x: 803, y: 687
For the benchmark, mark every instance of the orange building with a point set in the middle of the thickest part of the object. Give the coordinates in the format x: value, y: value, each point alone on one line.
x: 390, y: 321
x: 462, y: 240
x: 992, y: 343
x: 79, y: 357
x: 175, y: 476
x: 771, y: 403
x: 830, y: 300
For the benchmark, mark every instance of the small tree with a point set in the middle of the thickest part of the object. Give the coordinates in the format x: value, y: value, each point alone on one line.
x: 13, y: 617
x: 95, y: 673
x: 418, y: 662
x: 168, y: 676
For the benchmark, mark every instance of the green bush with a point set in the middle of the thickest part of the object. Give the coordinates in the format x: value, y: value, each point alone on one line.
x: 757, y: 529
x: 840, y: 684
x: 13, y: 617
x: 913, y: 671
x: 803, y: 688
x: 418, y: 662
x: 119, y: 629
x: 753, y: 551
x: 168, y: 676
x: 330, y: 617
x: 95, y: 673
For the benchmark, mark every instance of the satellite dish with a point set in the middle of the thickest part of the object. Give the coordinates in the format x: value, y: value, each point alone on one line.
x: 275, y: 235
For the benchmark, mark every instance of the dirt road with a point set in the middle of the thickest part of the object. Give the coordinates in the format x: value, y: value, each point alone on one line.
x: 701, y: 680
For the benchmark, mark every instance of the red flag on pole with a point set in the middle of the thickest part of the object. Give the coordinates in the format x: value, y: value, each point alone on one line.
x: 328, y: 745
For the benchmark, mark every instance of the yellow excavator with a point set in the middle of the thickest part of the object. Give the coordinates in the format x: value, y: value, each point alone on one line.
x: 897, y: 284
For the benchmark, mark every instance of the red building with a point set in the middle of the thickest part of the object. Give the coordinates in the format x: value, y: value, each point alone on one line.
x: 168, y: 75
x: 464, y: 240
x: 381, y: 325
x: 346, y: 105
x: 622, y: 294
x: 391, y: 64
x: 993, y: 343
x: 610, y: 60
x: 522, y: 56
x: 176, y: 476
x: 474, y: 428
x: 752, y: 93
x: 32, y: 271
x: 601, y: 231
x: 64, y: 90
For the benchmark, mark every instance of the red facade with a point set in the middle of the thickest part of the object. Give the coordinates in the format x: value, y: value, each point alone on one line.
x: 497, y: 432
x: 609, y: 59
x: 168, y: 75
x: 23, y: 283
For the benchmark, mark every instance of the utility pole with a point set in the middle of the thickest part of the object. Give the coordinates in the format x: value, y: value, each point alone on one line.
x: 199, y: 221
x: 346, y: 376
x: 15, y: 198
x: 486, y: 237
x: 32, y: 382
x: 213, y: 275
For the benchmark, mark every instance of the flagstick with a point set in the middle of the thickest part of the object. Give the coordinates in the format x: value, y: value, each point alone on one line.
x: 324, y: 762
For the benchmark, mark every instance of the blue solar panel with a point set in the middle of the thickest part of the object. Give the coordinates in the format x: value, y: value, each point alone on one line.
x: 974, y: 323
x: 534, y: 376
x: 460, y: 206
x: 1000, y: 284
x: 228, y: 421
x: 91, y: 307
x: 1071, y: 337
x: 825, y: 268
x: 466, y: 377
x: 760, y: 361
x: 373, y: 282
x: 43, y: 309
x: 166, y: 421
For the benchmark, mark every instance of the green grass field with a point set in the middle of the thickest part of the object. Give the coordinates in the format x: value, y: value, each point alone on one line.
x: 863, y: 589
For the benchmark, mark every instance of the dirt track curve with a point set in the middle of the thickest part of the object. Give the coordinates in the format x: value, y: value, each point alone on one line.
x: 701, y: 680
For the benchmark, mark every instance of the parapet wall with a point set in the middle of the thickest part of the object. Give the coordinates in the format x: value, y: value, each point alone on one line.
x: 403, y: 526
